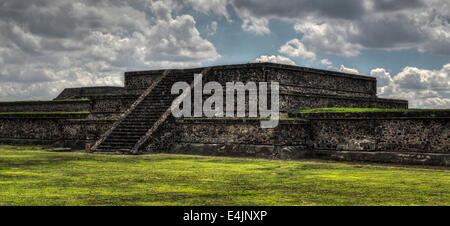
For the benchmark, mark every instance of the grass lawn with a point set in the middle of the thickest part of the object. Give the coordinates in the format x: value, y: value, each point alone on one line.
x: 29, y: 175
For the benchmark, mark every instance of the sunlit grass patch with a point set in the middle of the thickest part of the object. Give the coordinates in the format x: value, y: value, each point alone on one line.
x: 30, y: 175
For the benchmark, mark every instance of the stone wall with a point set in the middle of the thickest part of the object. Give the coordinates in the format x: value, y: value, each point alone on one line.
x: 307, y: 80
x: 137, y: 81
x: 416, y: 137
x: 420, y: 131
x: 111, y: 106
x: 45, y: 106
x: 89, y: 92
x: 292, y: 78
x: 300, y: 88
x: 68, y: 130
x: 232, y: 137
x: 295, y: 101
x: 297, y: 79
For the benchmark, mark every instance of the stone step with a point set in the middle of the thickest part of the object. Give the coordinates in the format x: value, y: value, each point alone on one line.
x: 146, y: 118
x: 136, y: 124
x: 118, y: 145
x: 144, y: 111
x: 155, y: 103
x: 118, y: 137
x: 122, y: 131
x: 152, y: 107
x: 132, y: 129
x: 108, y: 148
x: 126, y: 134
x: 131, y: 135
x: 145, y: 115
x: 157, y: 99
x: 134, y: 119
x: 120, y: 141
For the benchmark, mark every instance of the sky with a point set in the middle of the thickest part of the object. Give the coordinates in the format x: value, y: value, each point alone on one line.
x: 48, y: 45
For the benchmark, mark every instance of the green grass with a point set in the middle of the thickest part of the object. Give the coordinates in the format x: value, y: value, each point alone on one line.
x: 29, y: 175
x: 44, y: 113
x: 338, y: 110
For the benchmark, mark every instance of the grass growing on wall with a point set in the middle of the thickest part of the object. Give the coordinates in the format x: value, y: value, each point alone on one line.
x: 29, y: 175
x: 337, y: 110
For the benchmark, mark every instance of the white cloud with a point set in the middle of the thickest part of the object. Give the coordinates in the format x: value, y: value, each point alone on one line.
x: 385, y: 82
x: 348, y: 70
x: 57, y: 44
x: 218, y: 7
x: 258, y: 26
x: 422, y: 88
x: 212, y: 28
x: 176, y: 39
x: 275, y: 59
x: 383, y: 77
x: 252, y: 24
x: 294, y: 48
x: 328, y: 64
x: 330, y: 39
x: 346, y: 27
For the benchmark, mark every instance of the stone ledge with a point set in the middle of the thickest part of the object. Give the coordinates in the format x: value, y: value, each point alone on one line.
x: 115, y: 96
x: 236, y: 120
x: 254, y: 65
x: 368, y: 99
x: 45, y: 116
x: 386, y: 157
x: 377, y: 115
x: 40, y: 102
x: 369, y: 94
x: 61, y: 143
x: 88, y: 121
x: 242, y: 150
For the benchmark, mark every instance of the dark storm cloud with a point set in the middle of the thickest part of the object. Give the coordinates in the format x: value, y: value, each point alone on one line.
x: 357, y: 24
x: 64, y: 19
x: 387, y: 32
x: 345, y: 9
x: 391, y: 5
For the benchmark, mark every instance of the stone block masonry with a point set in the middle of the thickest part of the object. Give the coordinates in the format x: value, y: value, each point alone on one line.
x: 135, y: 117
x: 412, y: 131
x: 89, y: 92
x: 64, y: 129
x: 46, y: 106
x: 420, y: 137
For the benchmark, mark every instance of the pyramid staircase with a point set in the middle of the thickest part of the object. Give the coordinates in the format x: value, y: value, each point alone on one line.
x: 144, y: 116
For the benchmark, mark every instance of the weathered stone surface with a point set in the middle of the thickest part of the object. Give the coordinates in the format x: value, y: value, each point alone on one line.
x: 399, y: 137
x: 416, y: 131
x: 70, y: 130
x: 386, y: 157
x: 45, y: 106
x: 89, y: 92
